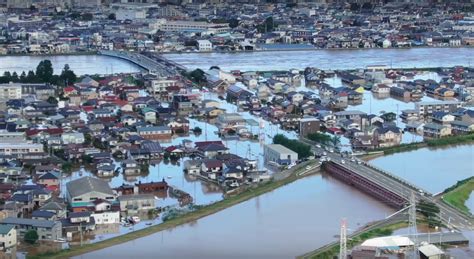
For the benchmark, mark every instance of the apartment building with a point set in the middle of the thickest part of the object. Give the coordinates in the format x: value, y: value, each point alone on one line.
x: 428, y: 108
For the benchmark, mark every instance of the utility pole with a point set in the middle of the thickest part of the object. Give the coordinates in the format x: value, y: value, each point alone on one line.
x: 412, y: 225
x: 343, y: 241
x: 80, y: 226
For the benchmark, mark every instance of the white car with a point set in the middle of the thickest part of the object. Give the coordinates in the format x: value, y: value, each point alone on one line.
x: 318, y: 146
x: 308, y: 167
x: 342, y: 161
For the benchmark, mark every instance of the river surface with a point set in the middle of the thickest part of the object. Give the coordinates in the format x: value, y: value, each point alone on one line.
x: 328, y: 59
x: 253, y: 61
x: 81, y: 65
x: 433, y: 169
x: 284, y: 223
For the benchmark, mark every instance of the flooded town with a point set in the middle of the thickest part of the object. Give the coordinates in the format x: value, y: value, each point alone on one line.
x: 236, y: 129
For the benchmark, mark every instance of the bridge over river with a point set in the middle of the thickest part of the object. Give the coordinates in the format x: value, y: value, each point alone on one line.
x: 389, y: 188
x: 150, y: 61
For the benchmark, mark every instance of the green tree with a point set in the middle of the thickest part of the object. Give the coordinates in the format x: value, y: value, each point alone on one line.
x: 31, y: 237
x: 23, y: 77
x: 198, y: 76
x: 320, y: 137
x: 389, y: 116
x: 44, y: 71
x: 430, y: 211
x: 7, y: 75
x: 302, y: 149
x: 267, y: 26
x: 197, y: 130
x: 87, y: 17
x: 15, y: 77
x: 30, y: 77
x: 67, y: 76
x: 233, y: 22
x: 52, y: 100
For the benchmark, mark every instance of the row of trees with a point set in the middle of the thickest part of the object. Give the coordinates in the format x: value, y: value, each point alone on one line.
x: 44, y: 74
x: 302, y: 149
x: 430, y: 211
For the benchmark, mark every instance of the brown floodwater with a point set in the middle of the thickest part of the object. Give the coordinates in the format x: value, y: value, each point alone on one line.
x: 284, y: 223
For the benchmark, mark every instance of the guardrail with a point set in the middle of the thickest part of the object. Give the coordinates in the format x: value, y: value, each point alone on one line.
x: 390, y: 175
x: 398, y: 179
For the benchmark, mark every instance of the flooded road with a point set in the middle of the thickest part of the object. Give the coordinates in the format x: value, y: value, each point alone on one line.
x: 433, y: 169
x: 284, y: 223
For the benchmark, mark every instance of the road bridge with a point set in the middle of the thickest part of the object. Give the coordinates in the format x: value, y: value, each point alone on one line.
x: 152, y: 62
x: 389, y: 188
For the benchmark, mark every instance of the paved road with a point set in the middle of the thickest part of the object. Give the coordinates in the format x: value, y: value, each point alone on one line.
x: 450, y: 216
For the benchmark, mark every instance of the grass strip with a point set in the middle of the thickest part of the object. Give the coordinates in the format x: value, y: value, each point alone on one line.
x: 186, y: 218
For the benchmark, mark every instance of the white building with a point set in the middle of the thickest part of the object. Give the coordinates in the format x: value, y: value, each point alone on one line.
x: 279, y: 154
x: 204, y: 45
x: 428, y: 108
x: 106, y: 217
x: 72, y: 138
x: 10, y: 91
x: 131, y: 11
x: 11, y: 137
x: 19, y: 148
x: 158, y: 86
x: 178, y: 26
x: 7, y: 236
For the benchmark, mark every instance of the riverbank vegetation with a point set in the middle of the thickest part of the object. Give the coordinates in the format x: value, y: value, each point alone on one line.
x: 450, y: 140
x: 301, y: 148
x: 458, y: 194
x: 324, y: 139
x: 44, y: 74
x: 201, y: 212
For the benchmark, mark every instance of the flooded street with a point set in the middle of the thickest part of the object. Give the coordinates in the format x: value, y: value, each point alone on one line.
x: 284, y: 223
x: 433, y: 169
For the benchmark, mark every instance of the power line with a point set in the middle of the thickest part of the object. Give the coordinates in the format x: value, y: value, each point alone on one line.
x: 343, y: 240
x: 412, y: 225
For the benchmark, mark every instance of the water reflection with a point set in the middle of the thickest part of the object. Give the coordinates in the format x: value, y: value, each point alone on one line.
x: 81, y: 65
x: 281, y: 224
x: 327, y: 59
x: 433, y: 169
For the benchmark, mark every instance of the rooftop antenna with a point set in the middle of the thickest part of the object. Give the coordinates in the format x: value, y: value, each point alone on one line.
x: 343, y: 240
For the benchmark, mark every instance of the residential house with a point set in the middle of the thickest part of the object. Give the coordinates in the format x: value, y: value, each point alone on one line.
x: 179, y: 125
x: 211, y: 168
x: 137, y: 202
x: 441, y: 117
x: 155, y: 132
x: 210, y: 149
x: 8, y: 236
x: 130, y: 167
x: 388, y: 136
x: 47, y: 230
x: 82, y: 192
x: 433, y: 130
x: 50, y: 180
